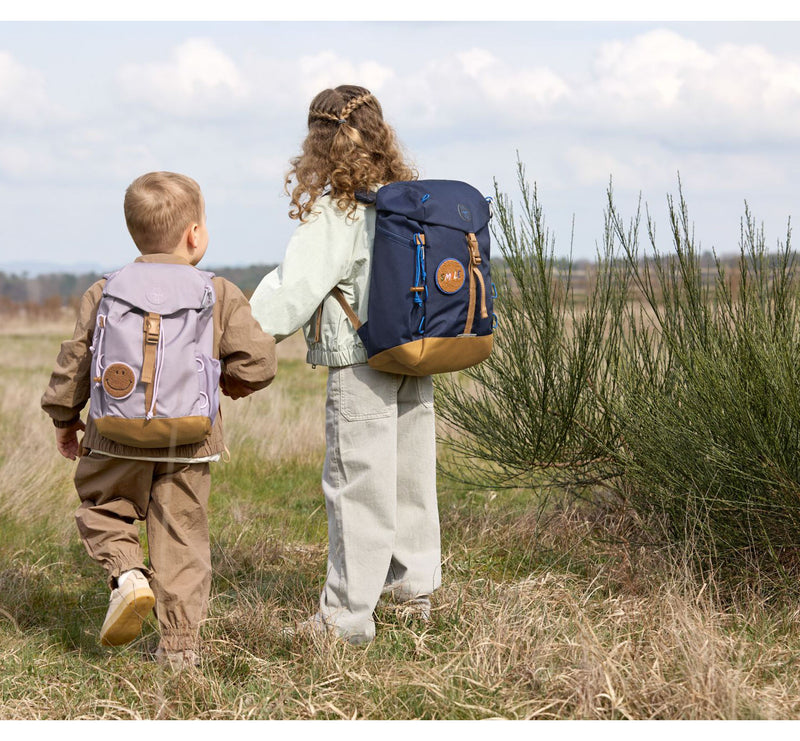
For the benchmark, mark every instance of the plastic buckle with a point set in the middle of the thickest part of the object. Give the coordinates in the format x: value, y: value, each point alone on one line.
x: 152, y: 328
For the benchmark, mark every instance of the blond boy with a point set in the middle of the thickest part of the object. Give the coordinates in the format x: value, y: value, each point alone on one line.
x: 167, y: 488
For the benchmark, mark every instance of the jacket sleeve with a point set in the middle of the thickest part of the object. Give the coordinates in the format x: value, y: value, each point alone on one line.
x: 246, y: 352
x: 318, y: 257
x: 69, y: 387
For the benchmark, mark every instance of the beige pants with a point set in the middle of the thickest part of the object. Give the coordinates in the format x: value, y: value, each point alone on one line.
x: 379, y: 482
x: 172, y: 499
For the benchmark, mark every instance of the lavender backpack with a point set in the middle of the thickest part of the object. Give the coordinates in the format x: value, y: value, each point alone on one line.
x: 154, y: 378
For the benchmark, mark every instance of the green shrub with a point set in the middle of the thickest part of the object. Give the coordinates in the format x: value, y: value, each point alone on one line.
x: 709, y: 415
x: 671, y: 379
x: 535, y: 411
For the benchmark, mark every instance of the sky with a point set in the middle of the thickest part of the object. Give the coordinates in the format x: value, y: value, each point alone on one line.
x: 89, y: 103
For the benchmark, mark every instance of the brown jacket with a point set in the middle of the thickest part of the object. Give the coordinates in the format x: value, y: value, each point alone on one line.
x: 245, y: 351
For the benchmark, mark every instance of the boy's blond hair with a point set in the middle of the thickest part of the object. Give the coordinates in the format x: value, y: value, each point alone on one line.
x: 159, y: 206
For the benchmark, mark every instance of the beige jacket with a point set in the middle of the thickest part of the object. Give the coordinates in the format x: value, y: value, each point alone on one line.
x: 246, y: 353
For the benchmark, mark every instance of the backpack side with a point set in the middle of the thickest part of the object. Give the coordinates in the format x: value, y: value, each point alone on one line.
x: 154, y: 378
x: 430, y: 294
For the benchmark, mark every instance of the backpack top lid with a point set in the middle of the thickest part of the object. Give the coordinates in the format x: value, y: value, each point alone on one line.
x: 449, y: 203
x: 161, y: 288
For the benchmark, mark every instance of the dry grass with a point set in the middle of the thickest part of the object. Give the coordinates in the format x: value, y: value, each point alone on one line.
x: 286, y: 422
x: 557, y: 616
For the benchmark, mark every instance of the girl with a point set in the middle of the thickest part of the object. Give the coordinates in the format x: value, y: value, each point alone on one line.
x: 379, y: 477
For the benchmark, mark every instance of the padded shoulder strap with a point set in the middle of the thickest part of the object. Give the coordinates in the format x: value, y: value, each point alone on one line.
x: 366, y: 196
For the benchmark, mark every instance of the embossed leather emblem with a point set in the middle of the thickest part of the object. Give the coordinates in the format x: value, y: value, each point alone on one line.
x: 119, y: 380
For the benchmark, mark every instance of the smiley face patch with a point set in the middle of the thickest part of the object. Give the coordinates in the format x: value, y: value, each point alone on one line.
x: 450, y: 276
x: 119, y: 380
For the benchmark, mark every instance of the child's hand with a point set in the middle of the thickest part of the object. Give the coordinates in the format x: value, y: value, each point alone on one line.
x: 67, y: 440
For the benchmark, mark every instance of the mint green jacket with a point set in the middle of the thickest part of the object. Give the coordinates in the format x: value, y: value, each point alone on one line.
x: 329, y: 249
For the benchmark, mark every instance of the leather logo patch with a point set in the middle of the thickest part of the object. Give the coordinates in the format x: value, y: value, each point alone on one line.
x: 119, y: 380
x: 450, y: 275
x: 464, y: 212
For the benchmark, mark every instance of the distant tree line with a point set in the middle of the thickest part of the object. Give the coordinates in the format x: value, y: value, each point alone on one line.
x: 56, y: 290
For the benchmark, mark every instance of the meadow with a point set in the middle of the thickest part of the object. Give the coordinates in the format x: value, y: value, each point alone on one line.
x: 550, y: 608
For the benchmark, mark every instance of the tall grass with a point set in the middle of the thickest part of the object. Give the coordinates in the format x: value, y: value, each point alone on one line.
x: 669, y: 384
x: 535, y: 411
x: 709, y: 415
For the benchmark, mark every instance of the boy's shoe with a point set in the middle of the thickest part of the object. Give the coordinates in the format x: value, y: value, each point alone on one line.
x: 129, y: 605
x: 181, y: 659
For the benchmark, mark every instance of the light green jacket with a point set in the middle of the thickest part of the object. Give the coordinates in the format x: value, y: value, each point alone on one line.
x: 329, y: 249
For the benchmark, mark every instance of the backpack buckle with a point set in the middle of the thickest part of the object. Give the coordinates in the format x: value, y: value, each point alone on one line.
x: 152, y: 328
x: 474, y: 252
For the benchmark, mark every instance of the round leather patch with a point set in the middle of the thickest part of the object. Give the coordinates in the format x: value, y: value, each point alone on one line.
x: 119, y: 380
x: 450, y: 275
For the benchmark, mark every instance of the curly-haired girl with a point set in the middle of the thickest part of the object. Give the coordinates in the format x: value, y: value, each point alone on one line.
x: 379, y: 477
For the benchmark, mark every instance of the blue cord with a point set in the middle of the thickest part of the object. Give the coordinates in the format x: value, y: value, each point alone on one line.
x: 420, y: 279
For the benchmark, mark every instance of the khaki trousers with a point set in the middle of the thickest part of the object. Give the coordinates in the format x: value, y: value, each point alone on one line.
x: 379, y: 482
x: 172, y: 499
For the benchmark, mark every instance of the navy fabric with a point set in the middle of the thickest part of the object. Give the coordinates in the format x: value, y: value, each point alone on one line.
x: 445, y: 211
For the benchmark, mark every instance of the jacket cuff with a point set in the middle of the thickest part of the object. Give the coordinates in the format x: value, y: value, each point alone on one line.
x: 67, y: 423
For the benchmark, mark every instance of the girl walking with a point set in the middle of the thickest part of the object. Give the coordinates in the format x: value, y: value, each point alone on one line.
x: 379, y: 476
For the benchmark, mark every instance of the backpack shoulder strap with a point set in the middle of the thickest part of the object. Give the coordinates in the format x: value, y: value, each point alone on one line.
x: 366, y: 196
x: 336, y: 292
x: 351, y: 315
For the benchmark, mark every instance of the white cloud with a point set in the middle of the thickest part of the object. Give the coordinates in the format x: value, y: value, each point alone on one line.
x: 649, y: 71
x: 669, y: 85
x: 198, y: 80
x: 23, y: 95
x: 510, y: 86
x: 327, y: 69
x: 18, y: 161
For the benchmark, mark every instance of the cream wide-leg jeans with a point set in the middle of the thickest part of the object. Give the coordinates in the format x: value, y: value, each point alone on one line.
x: 379, y: 482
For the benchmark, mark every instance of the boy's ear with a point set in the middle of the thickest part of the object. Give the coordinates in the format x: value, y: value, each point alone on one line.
x: 193, y: 235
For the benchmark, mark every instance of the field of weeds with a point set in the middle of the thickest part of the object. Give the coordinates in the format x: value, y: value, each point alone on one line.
x: 544, y: 613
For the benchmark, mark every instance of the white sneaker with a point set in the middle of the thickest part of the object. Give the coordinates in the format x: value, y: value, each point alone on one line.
x: 129, y: 605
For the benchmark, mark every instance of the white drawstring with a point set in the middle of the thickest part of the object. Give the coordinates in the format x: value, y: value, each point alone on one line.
x: 159, y: 366
x: 98, y: 355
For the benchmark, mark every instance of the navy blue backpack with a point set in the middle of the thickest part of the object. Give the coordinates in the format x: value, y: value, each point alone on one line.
x: 430, y: 291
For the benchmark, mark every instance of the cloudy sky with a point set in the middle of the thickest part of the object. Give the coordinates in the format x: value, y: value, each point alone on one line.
x: 86, y: 106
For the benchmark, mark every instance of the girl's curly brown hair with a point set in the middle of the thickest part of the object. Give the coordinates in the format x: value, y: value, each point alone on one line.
x: 349, y: 147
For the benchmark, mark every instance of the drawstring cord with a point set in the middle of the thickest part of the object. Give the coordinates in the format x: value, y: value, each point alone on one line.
x: 420, y: 287
x: 97, y: 351
x: 159, y: 366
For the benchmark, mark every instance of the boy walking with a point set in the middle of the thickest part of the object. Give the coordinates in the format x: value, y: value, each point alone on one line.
x: 166, y: 486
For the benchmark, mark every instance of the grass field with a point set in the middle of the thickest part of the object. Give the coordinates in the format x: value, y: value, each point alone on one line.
x: 542, y: 614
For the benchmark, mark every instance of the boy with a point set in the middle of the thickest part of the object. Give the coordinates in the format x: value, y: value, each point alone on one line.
x: 167, y: 487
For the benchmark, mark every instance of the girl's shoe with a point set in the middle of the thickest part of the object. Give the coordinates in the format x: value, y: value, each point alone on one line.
x: 315, y: 628
x: 418, y: 608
